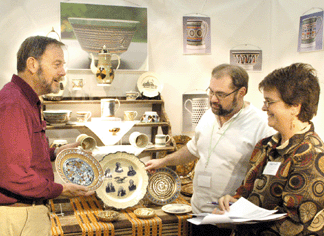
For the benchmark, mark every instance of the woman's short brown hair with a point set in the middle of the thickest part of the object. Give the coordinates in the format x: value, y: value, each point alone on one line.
x: 297, y: 84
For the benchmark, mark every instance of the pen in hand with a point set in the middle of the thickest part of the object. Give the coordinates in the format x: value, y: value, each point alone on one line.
x: 216, y: 203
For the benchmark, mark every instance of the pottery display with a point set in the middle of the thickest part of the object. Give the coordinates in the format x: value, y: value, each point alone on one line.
x: 197, y: 31
x: 150, y: 116
x: 93, y: 33
x: 198, y: 107
x: 83, y: 116
x: 57, y: 117
x: 130, y: 115
x: 104, y: 71
x: 132, y: 95
x: 109, y: 107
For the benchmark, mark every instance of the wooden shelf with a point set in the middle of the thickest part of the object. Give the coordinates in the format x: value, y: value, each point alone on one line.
x: 160, y: 149
x: 157, y: 105
x: 77, y: 126
x: 122, y: 100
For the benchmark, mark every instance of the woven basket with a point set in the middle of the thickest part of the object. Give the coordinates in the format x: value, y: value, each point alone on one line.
x: 93, y: 34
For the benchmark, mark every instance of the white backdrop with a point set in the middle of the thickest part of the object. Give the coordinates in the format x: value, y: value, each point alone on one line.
x: 271, y: 25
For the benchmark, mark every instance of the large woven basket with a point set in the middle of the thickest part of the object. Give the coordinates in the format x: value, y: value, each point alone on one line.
x: 93, y: 34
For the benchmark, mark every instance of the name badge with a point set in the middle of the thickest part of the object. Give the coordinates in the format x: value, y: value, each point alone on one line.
x: 204, y: 179
x: 271, y: 168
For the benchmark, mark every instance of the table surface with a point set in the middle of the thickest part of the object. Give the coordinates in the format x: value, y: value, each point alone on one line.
x: 80, y: 218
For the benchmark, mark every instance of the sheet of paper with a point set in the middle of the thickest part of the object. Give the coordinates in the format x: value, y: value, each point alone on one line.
x: 241, y: 211
x: 245, y: 209
x: 210, y: 219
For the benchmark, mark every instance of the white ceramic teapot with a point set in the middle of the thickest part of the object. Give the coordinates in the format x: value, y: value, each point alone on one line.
x: 104, y: 71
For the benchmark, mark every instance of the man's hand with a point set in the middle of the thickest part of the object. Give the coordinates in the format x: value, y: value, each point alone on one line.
x: 66, y: 146
x: 74, y: 190
x: 151, y: 165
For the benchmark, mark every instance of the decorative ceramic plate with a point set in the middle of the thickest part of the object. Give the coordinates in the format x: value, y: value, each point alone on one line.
x: 149, y: 84
x: 125, y: 180
x: 144, y: 213
x: 164, y: 186
x: 176, y: 208
x: 78, y: 167
x: 187, y: 189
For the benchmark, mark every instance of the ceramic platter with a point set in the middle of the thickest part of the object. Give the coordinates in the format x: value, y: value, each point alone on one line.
x: 176, y: 208
x: 125, y: 180
x: 149, y: 84
x: 164, y: 186
x: 78, y: 167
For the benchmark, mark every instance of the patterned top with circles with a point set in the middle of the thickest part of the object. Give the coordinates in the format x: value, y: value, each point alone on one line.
x: 296, y: 189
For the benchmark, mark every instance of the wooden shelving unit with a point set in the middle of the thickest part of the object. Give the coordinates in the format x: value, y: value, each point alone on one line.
x: 156, y: 105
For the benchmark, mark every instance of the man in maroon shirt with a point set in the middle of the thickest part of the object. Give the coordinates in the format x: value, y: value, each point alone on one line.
x: 26, y: 174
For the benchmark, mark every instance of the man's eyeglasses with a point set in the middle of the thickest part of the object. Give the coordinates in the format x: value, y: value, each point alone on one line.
x: 219, y: 95
x: 267, y: 104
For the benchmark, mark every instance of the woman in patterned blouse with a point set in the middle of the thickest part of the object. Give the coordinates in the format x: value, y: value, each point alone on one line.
x: 296, y: 185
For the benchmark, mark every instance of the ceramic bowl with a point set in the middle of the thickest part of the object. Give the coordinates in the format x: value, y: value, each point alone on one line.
x: 114, y: 131
x: 108, y: 215
x: 57, y: 117
x: 93, y: 34
x: 144, y: 213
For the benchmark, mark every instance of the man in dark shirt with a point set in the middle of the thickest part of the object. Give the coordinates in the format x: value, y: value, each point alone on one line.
x: 26, y: 174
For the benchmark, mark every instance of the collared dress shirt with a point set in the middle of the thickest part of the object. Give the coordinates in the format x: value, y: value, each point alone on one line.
x: 25, y: 157
x: 224, y: 152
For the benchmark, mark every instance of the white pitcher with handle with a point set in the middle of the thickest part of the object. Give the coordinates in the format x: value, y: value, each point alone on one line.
x: 108, y: 107
x: 198, y: 107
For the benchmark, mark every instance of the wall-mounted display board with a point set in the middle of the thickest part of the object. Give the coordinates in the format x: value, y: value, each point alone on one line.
x: 86, y: 28
x: 310, y: 36
x: 196, y: 35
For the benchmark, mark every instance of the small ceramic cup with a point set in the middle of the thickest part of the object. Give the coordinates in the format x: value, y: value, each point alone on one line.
x: 150, y: 116
x: 77, y: 84
x: 130, y: 115
x: 161, y: 140
x: 83, y: 116
x: 138, y: 139
x: 87, y: 143
x: 132, y: 95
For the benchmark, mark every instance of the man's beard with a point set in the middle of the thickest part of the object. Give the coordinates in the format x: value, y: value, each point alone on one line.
x: 46, y: 86
x: 223, y: 112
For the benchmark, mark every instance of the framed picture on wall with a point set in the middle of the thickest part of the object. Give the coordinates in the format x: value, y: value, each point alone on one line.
x: 196, y: 35
x: 250, y: 60
x: 310, y: 36
x: 194, y: 104
x: 87, y: 28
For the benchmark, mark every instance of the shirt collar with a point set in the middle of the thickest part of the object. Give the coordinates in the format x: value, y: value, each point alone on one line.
x: 27, y: 91
x: 292, y: 142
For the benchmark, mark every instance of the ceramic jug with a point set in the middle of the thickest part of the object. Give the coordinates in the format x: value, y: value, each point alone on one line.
x: 104, y: 71
x: 108, y: 107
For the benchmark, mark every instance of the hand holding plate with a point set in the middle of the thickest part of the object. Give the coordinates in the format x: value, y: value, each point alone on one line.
x: 74, y: 190
x: 66, y: 146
